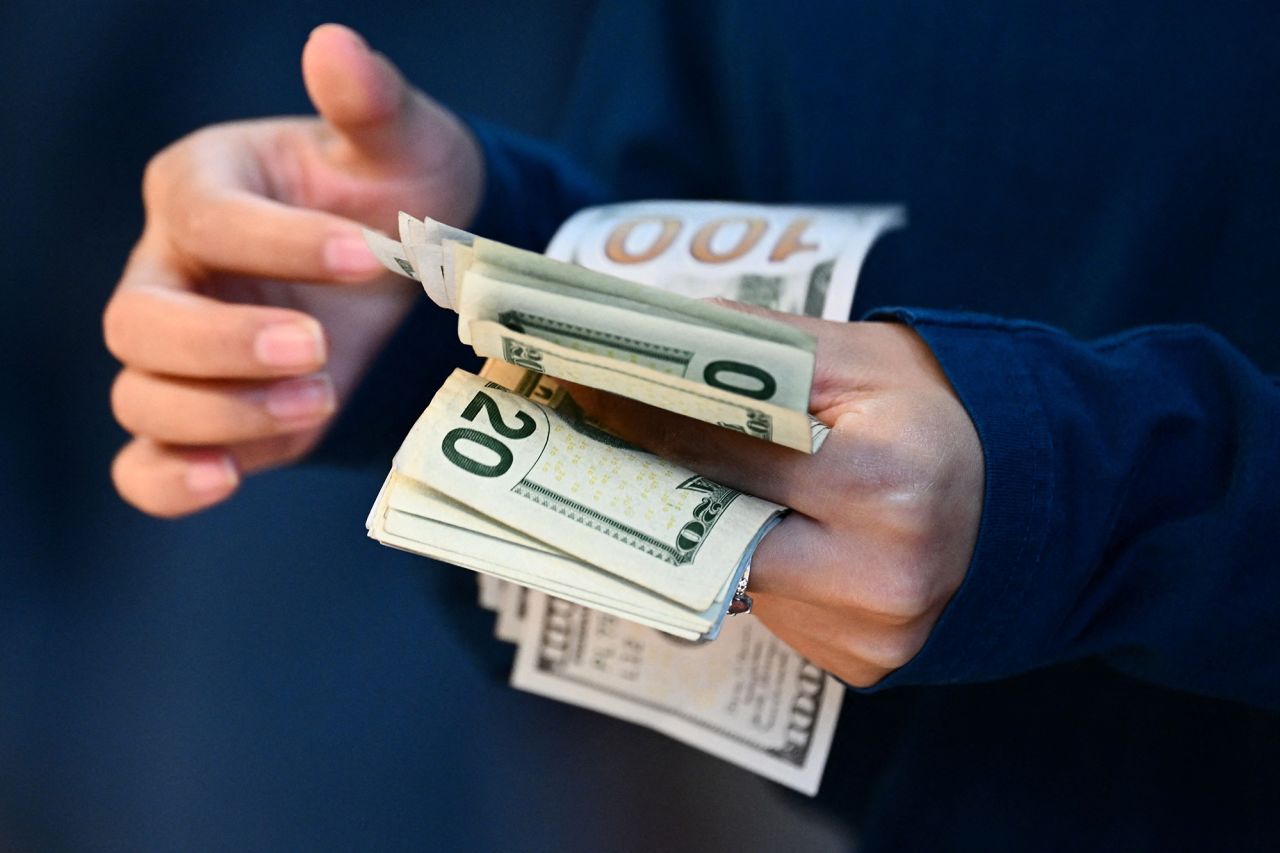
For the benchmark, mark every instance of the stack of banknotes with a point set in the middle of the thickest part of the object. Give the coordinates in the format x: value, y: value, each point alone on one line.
x: 685, y: 355
x: 585, y: 544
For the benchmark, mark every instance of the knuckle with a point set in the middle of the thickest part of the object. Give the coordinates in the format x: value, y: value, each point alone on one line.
x: 916, y: 525
x: 194, y: 225
x: 863, y: 660
x: 891, y: 649
x: 153, y: 176
x: 869, y: 465
x: 860, y: 674
x: 124, y: 401
x: 903, y: 593
x: 157, y: 174
x: 114, y: 321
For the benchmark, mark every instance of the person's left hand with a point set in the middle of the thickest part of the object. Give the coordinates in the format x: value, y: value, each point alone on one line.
x: 885, y: 514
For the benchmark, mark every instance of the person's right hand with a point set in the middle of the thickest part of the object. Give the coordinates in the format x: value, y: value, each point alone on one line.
x: 250, y: 306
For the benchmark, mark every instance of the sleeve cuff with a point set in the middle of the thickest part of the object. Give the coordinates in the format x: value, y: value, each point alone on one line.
x: 984, y: 363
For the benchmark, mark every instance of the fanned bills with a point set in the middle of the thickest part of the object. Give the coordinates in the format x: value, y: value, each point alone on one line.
x: 695, y: 358
x: 535, y: 494
x: 572, y: 531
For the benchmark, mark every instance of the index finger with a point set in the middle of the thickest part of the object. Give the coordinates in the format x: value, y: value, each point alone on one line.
x: 235, y: 231
x: 153, y: 324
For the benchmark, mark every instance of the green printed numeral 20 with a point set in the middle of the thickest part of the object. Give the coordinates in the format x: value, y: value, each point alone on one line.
x: 459, y: 435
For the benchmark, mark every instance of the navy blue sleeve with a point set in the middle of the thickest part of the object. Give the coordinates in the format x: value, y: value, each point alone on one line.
x: 530, y: 188
x: 1132, y: 508
x: 645, y: 119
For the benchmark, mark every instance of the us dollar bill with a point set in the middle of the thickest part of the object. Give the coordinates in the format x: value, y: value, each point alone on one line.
x: 747, y: 698
x: 587, y: 637
x: 792, y: 258
x: 499, y: 482
x: 740, y: 371
x: 423, y: 245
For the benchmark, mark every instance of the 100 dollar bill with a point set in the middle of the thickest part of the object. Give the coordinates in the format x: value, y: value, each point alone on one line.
x: 798, y: 259
x: 747, y: 698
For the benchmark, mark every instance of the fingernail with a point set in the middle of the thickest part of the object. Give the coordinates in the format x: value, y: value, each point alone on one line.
x: 347, y: 256
x: 293, y: 344
x: 301, y: 399
x: 211, y: 475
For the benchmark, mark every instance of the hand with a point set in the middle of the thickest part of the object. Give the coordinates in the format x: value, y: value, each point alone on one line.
x: 885, y: 514
x: 238, y: 340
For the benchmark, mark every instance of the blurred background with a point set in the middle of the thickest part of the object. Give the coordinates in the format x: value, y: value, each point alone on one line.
x: 262, y: 677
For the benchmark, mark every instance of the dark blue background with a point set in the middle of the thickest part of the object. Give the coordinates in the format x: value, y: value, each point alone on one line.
x: 262, y: 676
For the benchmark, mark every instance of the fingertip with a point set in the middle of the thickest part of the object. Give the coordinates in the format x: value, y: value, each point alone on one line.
x: 349, y: 259
x: 292, y: 346
x: 210, y: 476
x: 334, y: 30
x: 329, y: 40
x: 168, y: 482
x: 349, y: 84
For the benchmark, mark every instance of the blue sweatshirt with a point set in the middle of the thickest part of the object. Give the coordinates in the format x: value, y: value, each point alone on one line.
x: 1094, y: 256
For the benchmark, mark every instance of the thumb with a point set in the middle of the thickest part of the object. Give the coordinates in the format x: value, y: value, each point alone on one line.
x: 363, y: 96
x: 812, y: 325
